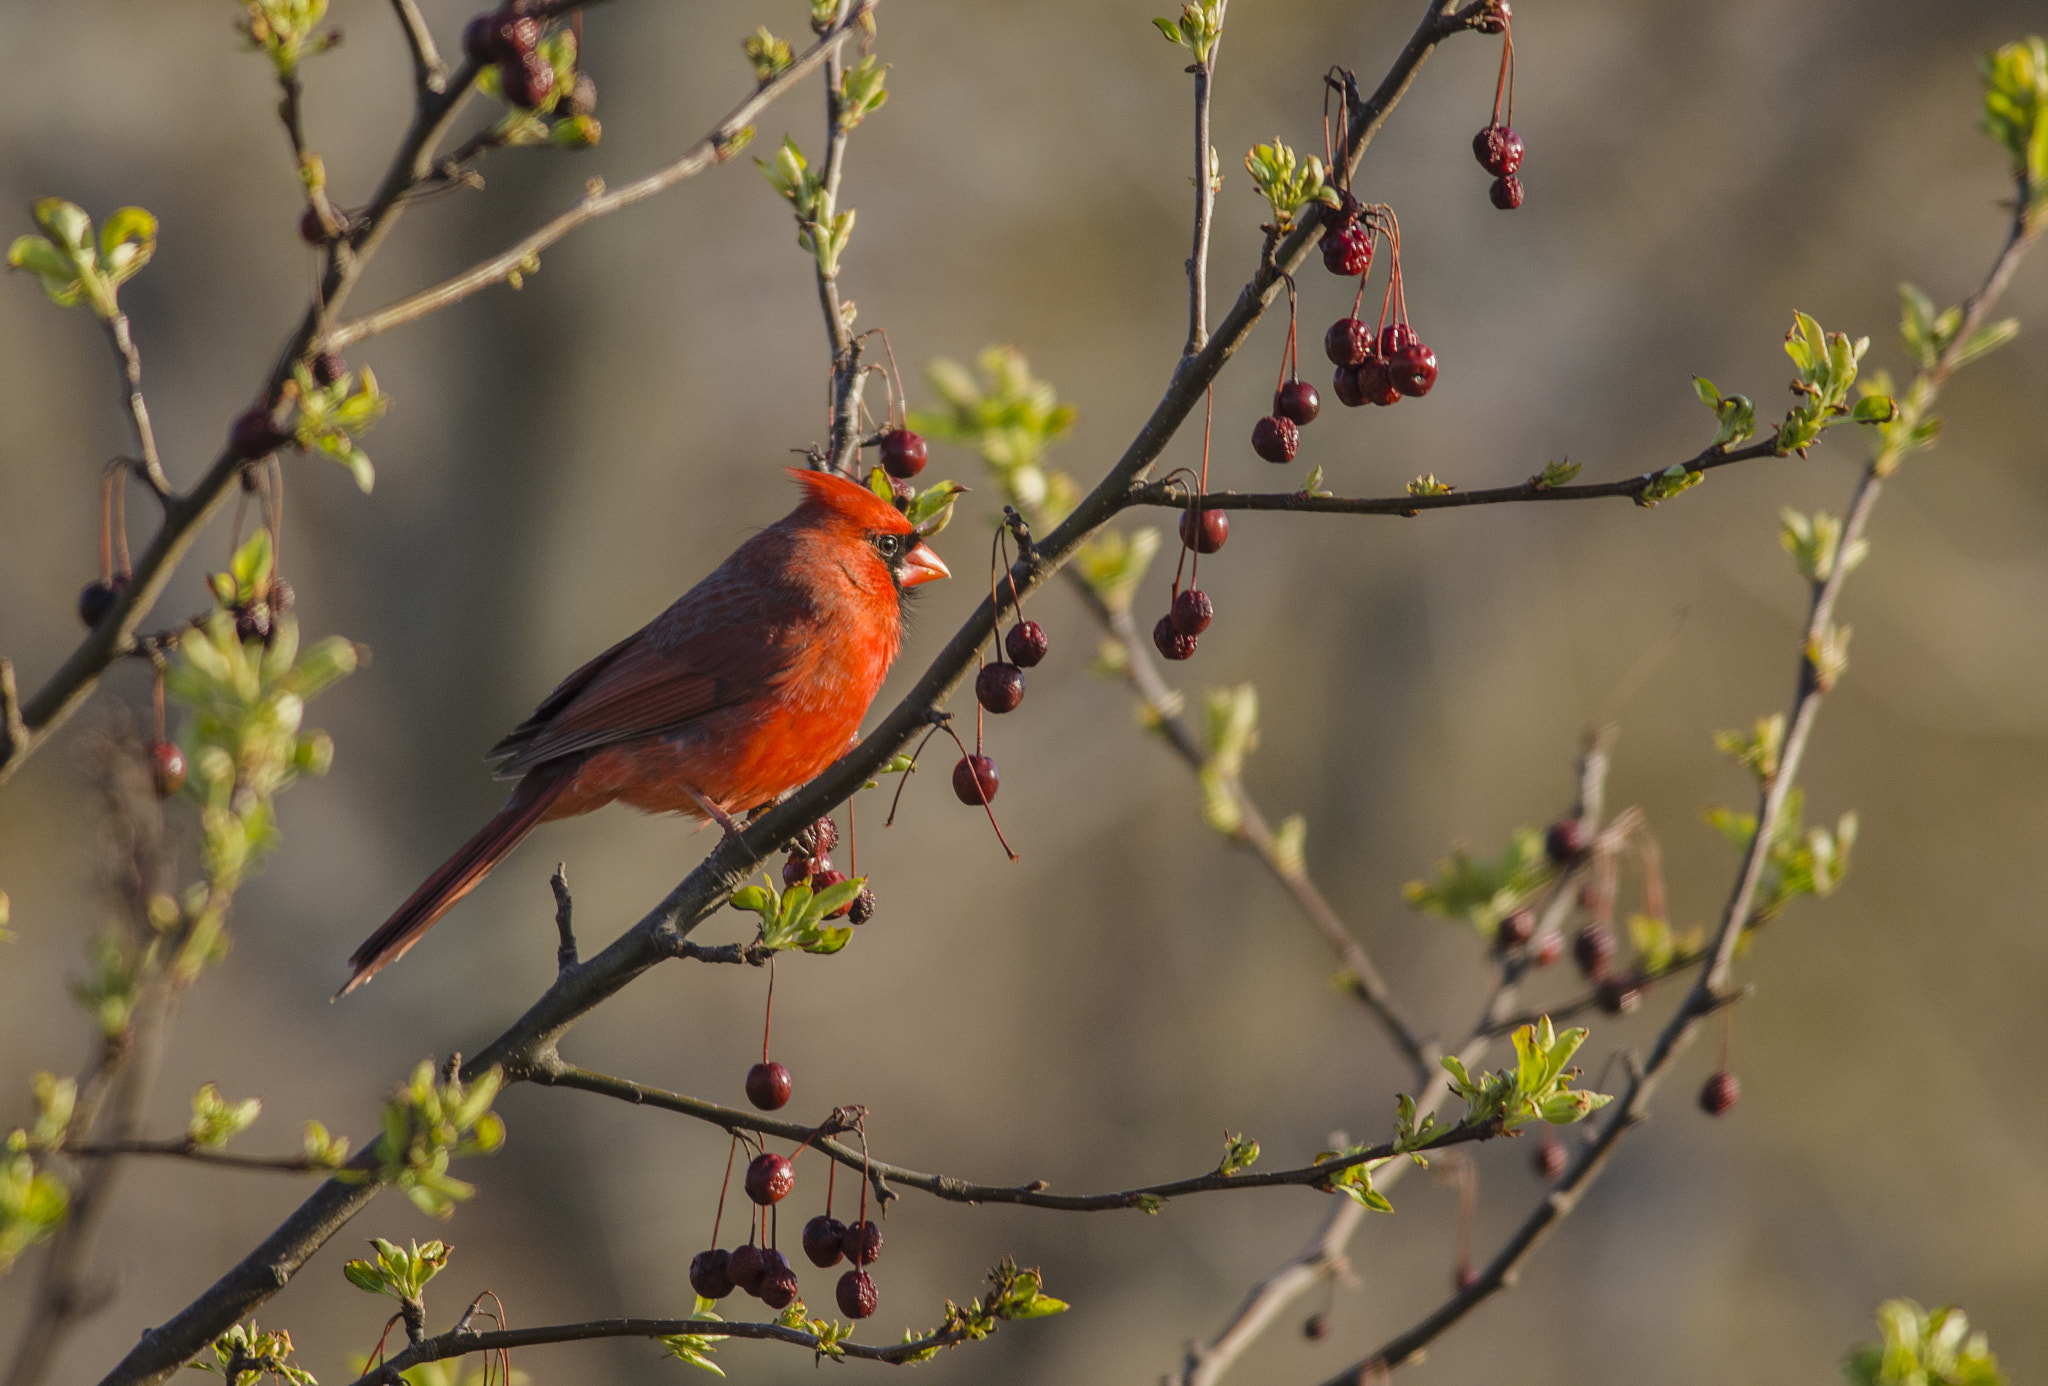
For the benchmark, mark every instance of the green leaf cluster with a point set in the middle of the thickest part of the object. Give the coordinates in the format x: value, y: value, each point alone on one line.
x: 33, y: 1203
x: 1240, y: 1152
x: 215, y: 1119
x: 2016, y: 113
x: 1923, y: 1348
x: 400, y: 1272
x: 928, y: 511
x: 251, y: 1353
x: 768, y: 55
x: 331, y: 417
x: 1230, y: 732
x: 1014, y: 1293
x: 1799, y: 861
x: 861, y: 91
x: 323, y: 1149
x: 1555, y: 474
x: 286, y: 30
x: 1484, y: 892
x: 1199, y: 26
x: 1009, y: 418
x: 1537, y: 1088
x: 426, y: 1125
x: 1428, y: 485
x: 797, y: 917
x: 1659, y: 947
x: 695, y: 1348
x: 1759, y: 751
x: 1288, y: 181
x: 113, y: 981
x: 1825, y: 364
x: 1815, y: 543
x: 71, y: 266
x: 821, y: 228
x: 1734, y: 415
x: 1354, y: 1181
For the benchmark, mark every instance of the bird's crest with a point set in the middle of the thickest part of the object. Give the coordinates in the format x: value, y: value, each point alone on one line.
x: 836, y: 495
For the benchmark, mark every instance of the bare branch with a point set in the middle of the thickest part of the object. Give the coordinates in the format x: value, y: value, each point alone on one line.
x: 1204, y: 70
x: 152, y: 468
x: 197, y: 1154
x: 429, y: 73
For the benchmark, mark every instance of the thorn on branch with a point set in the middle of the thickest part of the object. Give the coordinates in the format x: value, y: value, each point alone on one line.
x: 565, y: 956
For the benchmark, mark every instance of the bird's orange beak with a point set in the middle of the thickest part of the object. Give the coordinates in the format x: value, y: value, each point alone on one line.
x: 922, y: 565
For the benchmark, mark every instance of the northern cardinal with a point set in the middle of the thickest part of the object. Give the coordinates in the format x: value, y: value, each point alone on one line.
x: 753, y: 682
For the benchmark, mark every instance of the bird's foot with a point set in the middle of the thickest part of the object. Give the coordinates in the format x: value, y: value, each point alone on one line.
x: 716, y: 814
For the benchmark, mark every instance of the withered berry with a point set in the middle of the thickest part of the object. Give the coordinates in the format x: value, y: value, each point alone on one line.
x: 999, y: 687
x: 710, y: 1274
x: 1192, y: 611
x: 1275, y: 438
x: 770, y: 1177
x: 1026, y: 644
x: 824, y: 1240
x: 1172, y: 644
x: 856, y: 1294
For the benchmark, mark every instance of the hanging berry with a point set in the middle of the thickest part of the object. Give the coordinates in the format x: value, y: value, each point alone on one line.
x: 1497, y: 147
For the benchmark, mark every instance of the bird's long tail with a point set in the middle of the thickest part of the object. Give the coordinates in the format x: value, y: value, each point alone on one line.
x: 455, y: 877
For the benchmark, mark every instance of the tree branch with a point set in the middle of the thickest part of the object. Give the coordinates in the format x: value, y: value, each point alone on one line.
x: 152, y: 468
x: 1204, y: 70
x: 429, y: 73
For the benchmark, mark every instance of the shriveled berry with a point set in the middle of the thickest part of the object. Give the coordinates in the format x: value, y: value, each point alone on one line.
x: 311, y: 229
x: 1026, y: 644
x: 480, y: 39
x: 1394, y: 337
x: 1566, y: 840
x: 710, y: 1274
x: 1376, y: 383
x: 97, y: 598
x: 1620, y: 995
x: 1298, y: 402
x: 1204, y: 530
x: 528, y: 80
x: 863, y: 907
x: 1413, y: 369
x: 779, y: 1288
x: 518, y: 34
x: 1506, y: 192
x: 328, y: 367
x: 252, y: 623
x: 1316, y: 1327
x: 975, y: 780
x: 999, y: 687
x: 167, y: 767
x: 1172, y: 644
x: 770, y: 1177
x: 1347, y: 249
x: 1498, y: 149
x: 1192, y: 611
x: 863, y: 1242
x: 1275, y: 438
x: 903, y: 453
x: 1348, y: 342
x: 1515, y: 930
x: 1548, y: 1159
x: 1495, y: 18
x: 856, y: 1294
x: 817, y: 839
x: 1720, y: 1092
x: 1593, y: 950
x: 768, y: 1086
x: 1348, y: 388
x: 746, y: 1266
x: 255, y: 434
x: 797, y: 870
x: 1547, y: 949
x: 823, y: 881
x: 824, y: 1240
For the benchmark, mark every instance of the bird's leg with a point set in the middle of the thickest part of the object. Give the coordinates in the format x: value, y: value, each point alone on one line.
x: 714, y: 813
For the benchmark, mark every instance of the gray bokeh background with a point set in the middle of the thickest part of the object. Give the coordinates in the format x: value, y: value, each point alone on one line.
x: 564, y: 460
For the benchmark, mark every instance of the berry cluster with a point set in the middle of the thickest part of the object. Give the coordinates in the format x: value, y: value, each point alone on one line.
x: 765, y: 1272
x: 511, y: 41
x: 1497, y: 147
x: 1380, y: 363
x: 810, y: 864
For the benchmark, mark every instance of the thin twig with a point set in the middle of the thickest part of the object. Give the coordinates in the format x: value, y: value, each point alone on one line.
x: 565, y: 908
x: 197, y: 1154
x: 429, y: 73
x: 152, y: 468
x: 1204, y: 70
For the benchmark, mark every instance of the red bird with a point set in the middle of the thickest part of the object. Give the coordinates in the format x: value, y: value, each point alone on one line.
x: 752, y: 683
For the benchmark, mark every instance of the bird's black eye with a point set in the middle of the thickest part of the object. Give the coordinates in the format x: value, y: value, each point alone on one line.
x: 890, y: 545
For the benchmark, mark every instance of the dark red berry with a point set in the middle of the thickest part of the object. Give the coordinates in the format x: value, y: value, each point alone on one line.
x: 1515, y: 930
x: 1593, y: 950
x: 1275, y: 438
x: 1192, y: 611
x: 167, y: 763
x: 1506, y: 192
x: 768, y: 1086
x: 824, y: 1240
x: 798, y: 869
x: 1348, y: 388
x: 97, y: 598
x: 1620, y: 995
x: 770, y: 1177
x: 1548, y: 1160
x: 903, y: 453
x: 1347, y: 249
x: 856, y: 1294
x: 778, y: 1287
x: 528, y: 79
x: 863, y: 1243
x: 1172, y: 644
x: 252, y: 623
x: 517, y: 35
x: 1026, y: 644
x: 745, y: 1267
x: 817, y: 839
x: 480, y: 39
x: 1204, y: 530
x: 1495, y: 19
x: 1297, y: 401
x: 1498, y: 149
x: 823, y: 881
x: 311, y: 229
x: 863, y: 907
x: 1720, y: 1092
x: 1376, y: 383
x: 1547, y: 949
x: 1413, y: 369
x: 1567, y: 840
x: 328, y: 367
x: 1316, y: 1327
x: 1348, y: 342
x: 710, y: 1274
x: 1394, y: 337
x: 255, y: 434
x: 999, y: 687
x: 975, y: 780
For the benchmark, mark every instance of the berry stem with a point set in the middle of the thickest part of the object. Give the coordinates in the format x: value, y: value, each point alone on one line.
x: 768, y: 1014
x: 890, y: 821
x: 730, y: 1151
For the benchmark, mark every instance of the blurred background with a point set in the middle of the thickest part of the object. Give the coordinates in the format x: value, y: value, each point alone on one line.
x: 562, y: 461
